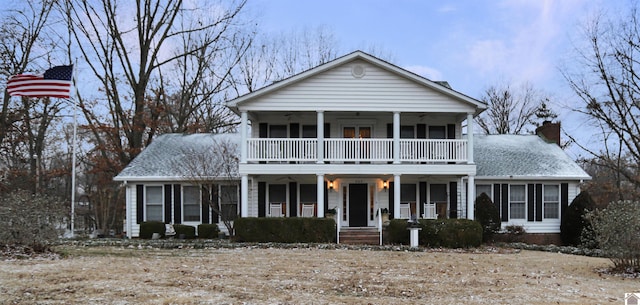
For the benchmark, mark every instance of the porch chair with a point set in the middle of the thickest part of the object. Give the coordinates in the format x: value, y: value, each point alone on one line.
x: 430, y: 211
x: 275, y: 210
x: 405, y: 211
x: 308, y: 210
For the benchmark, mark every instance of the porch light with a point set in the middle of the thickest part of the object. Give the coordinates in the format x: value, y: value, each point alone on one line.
x: 384, y: 185
x: 331, y: 184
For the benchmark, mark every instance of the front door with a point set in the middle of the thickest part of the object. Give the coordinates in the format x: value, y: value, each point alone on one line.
x: 358, y: 205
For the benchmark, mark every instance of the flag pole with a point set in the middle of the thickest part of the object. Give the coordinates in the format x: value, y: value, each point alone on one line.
x: 73, y: 154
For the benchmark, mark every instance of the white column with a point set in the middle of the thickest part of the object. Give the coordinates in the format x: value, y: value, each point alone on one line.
x: 129, y: 216
x: 470, y: 138
x: 320, y: 192
x: 243, y: 137
x: 471, y: 196
x: 244, y: 196
x: 320, y: 133
x: 396, y: 196
x: 396, y: 138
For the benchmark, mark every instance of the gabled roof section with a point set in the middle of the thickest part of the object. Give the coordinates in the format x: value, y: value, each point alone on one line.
x: 173, y: 156
x: 523, y: 157
x: 436, y: 86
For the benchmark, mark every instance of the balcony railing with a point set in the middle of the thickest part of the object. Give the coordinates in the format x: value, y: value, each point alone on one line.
x: 357, y: 150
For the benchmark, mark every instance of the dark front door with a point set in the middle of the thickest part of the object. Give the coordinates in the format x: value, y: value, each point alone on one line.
x: 357, y: 205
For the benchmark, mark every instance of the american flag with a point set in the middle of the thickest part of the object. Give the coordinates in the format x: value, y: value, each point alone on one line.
x: 56, y: 82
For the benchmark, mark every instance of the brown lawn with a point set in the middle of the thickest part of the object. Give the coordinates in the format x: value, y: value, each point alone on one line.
x: 118, y: 275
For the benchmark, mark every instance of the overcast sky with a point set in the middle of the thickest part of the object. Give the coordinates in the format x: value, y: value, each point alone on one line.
x: 471, y: 44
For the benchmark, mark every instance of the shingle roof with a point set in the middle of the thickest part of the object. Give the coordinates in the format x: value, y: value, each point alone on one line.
x: 522, y: 156
x: 164, y: 157
x: 496, y: 156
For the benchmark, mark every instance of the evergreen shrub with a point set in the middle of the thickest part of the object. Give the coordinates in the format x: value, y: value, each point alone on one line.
x: 285, y: 229
x: 573, y: 224
x: 189, y: 232
x: 147, y: 229
x: 208, y: 231
x: 488, y: 216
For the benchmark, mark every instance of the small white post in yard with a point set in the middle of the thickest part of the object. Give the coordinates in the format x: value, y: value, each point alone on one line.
x: 414, y: 228
x: 380, y: 224
x: 338, y: 218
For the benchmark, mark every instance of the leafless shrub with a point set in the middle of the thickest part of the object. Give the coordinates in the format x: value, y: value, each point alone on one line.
x: 617, y: 231
x: 32, y: 220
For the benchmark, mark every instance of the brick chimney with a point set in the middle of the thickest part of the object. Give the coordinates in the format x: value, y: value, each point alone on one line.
x: 549, y: 131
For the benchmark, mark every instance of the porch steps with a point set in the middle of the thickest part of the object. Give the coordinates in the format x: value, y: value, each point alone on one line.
x: 359, y: 236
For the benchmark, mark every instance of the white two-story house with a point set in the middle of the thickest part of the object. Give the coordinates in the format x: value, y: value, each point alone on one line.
x: 355, y: 135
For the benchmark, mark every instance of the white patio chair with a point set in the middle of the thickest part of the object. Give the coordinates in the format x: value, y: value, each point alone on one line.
x: 405, y: 211
x: 430, y: 211
x: 308, y: 210
x: 275, y: 210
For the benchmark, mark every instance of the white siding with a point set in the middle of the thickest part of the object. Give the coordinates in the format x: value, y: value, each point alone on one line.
x: 338, y: 90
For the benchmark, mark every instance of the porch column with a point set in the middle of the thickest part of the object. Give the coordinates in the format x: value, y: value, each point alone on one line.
x: 396, y: 196
x: 470, y: 138
x: 243, y: 137
x: 320, y: 193
x: 396, y: 138
x: 471, y: 196
x: 244, y: 196
x: 320, y: 133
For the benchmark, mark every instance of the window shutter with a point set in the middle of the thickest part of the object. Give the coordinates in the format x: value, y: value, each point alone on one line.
x: 496, y: 198
x: 326, y: 197
x: 167, y: 203
x: 422, y: 189
x: 139, y: 203
x: 293, y: 199
x: 391, y: 200
x: 294, y: 130
x: 505, y: 202
x: 451, y: 131
x: 262, y: 198
x: 262, y: 130
x: 327, y: 130
x: 530, y: 202
x: 389, y: 131
x: 538, y: 202
x: 177, y: 203
x: 205, y: 198
x: 215, y: 203
x: 564, y: 197
x: 421, y: 131
x: 453, y: 199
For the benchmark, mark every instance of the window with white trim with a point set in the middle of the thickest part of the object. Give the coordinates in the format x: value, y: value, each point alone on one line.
x: 484, y: 188
x: 191, y: 203
x: 551, y: 201
x: 517, y: 202
x: 228, y: 202
x: 153, y: 203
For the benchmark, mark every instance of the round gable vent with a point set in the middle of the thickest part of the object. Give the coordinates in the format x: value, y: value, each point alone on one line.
x: 358, y: 71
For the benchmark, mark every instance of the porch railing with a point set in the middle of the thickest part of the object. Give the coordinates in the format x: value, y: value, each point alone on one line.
x: 357, y: 150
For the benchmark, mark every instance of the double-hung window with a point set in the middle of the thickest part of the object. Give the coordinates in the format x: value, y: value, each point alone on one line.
x: 191, y: 203
x: 551, y: 201
x: 229, y: 202
x: 483, y: 188
x: 153, y: 203
x: 517, y: 202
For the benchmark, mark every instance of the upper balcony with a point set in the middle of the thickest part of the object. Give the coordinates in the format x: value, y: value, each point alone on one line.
x: 344, y: 150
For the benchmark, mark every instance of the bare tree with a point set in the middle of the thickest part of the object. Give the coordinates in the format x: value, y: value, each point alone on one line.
x: 128, y: 58
x: 26, y: 123
x: 161, y: 66
x: 511, y: 110
x: 605, y: 78
x: 277, y: 56
x: 210, y: 163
